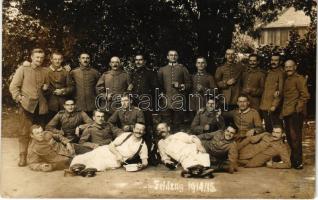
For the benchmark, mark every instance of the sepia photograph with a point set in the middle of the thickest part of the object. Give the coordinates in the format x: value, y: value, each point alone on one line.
x: 209, y: 99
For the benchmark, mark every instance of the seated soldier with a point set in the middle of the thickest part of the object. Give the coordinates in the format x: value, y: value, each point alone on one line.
x: 126, y: 146
x: 222, y: 148
x: 68, y: 122
x: 48, y: 151
x: 207, y: 119
x: 97, y: 134
x: 127, y: 115
x: 258, y: 150
x: 247, y: 119
x: 185, y: 149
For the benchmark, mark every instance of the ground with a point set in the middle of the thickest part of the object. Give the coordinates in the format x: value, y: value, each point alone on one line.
x: 154, y: 182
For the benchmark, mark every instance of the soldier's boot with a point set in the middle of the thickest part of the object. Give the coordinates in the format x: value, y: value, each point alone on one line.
x: 22, y: 159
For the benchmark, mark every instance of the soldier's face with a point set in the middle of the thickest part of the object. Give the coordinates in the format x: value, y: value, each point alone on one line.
x: 277, y: 133
x: 139, y: 130
x: 163, y: 130
x: 84, y: 60
x: 125, y: 102
x: 229, y: 133
x: 210, y: 105
x: 290, y: 67
x: 253, y: 62
x: 99, y: 118
x: 69, y: 106
x: 114, y: 63
x: 275, y: 61
x: 243, y: 103
x: 200, y: 64
x: 37, y: 134
x: 139, y: 61
x: 230, y: 55
x: 56, y: 60
x: 37, y: 59
x: 172, y: 56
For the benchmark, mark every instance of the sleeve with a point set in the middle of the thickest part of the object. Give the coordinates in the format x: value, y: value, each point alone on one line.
x: 160, y: 78
x: 86, y: 118
x: 195, y: 125
x: 221, y: 123
x: 116, y: 131
x: 100, y: 85
x: 187, y: 78
x: 259, y: 91
x: 233, y: 153
x: 143, y: 153
x: 280, y: 83
x: 284, y: 154
x: 60, y: 138
x: 54, y: 123
x: 212, y: 83
x: 154, y: 81
x: 219, y: 79
x: 258, y: 123
x: 16, y: 84
x: 162, y: 152
x: 140, y: 117
x: 114, y: 118
x: 85, y: 138
x: 303, y: 92
x: 69, y: 86
x: 207, y: 136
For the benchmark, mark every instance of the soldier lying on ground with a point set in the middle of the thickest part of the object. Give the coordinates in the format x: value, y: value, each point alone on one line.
x: 258, y: 150
x: 127, y: 146
x: 185, y: 149
x: 48, y: 151
x: 222, y: 148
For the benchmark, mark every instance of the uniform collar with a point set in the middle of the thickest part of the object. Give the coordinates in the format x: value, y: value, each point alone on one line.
x: 113, y: 72
x: 98, y: 126
x: 173, y: 64
x: 245, y: 111
x: 34, y: 67
x: 58, y: 69
x: 201, y: 73
x: 85, y: 68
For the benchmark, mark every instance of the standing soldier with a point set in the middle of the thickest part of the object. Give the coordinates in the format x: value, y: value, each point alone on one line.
x: 228, y: 77
x: 272, y: 94
x: 59, y: 84
x: 295, y: 97
x: 203, y: 85
x: 113, y: 83
x: 253, y: 82
x: 85, y: 79
x: 174, y: 79
x: 27, y: 88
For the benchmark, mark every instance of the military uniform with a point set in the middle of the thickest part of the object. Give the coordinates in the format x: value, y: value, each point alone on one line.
x: 274, y: 81
x: 130, y: 117
x: 115, y: 83
x: 85, y: 79
x: 220, y: 150
x: 97, y: 135
x: 51, y: 151
x: 27, y: 83
x: 204, y: 117
x: 295, y: 97
x: 208, y: 85
x: 253, y: 80
x: 245, y: 121
x: 58, y: 79
x: 169, y: 75
x: 255, y: 151
x: 65, y: 123
x: 225, y: 73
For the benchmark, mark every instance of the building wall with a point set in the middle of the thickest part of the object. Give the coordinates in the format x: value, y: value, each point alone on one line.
x: 279, y: 36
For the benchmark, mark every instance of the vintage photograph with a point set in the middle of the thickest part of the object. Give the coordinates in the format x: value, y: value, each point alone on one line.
x: 158, y: 99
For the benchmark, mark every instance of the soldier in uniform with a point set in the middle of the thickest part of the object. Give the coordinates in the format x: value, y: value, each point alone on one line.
x: 60, y: 84
x: 272, y: 95
x: 207, y: 119
x: 253, y: 82
x: 203, y: 86
x: 174, y: 79
x: 295, y: 95
x: 247, y: 119
x: 85, y: 78
x: 48, y: 151
x: 127, y: 116
x: 28, y: 88
x: 113, y: 83
x: 69, y: 122
x: 228, y: 78
x: 97, y: 134
x: 258, y: 150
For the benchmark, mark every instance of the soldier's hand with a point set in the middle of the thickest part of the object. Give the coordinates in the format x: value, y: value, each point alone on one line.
x: 250, y: 132
x: 77, y: 131
x: 70, y: 148
x: 269, y: 163
x: 95, y: 146
x: 182, y: 87
x: 199, y: 87
x: 276, y: 94
x: 130, y: 87
x: 67, y: 68
x: 19, y: 98
x: 273, y: 108
x: 246, y: 90
x: 206, y: 127
x: 58, y: 92
x: 45, y: 87
x: 231, y: 81
x: 126, y: 128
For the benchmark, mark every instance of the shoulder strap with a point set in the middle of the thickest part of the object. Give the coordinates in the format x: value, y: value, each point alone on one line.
x: 127, y: 137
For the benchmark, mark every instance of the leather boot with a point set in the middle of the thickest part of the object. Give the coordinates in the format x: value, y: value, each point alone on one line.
x: 22, y: 160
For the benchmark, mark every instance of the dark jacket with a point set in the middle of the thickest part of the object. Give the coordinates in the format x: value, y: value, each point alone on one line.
x: 204, y: 117
x: 121, y: 118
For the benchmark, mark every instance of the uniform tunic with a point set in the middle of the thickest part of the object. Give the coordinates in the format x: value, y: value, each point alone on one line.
x: 130, y: 117
x: 204, y: 117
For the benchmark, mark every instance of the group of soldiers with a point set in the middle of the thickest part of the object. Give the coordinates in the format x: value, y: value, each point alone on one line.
x: 226, y: 111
